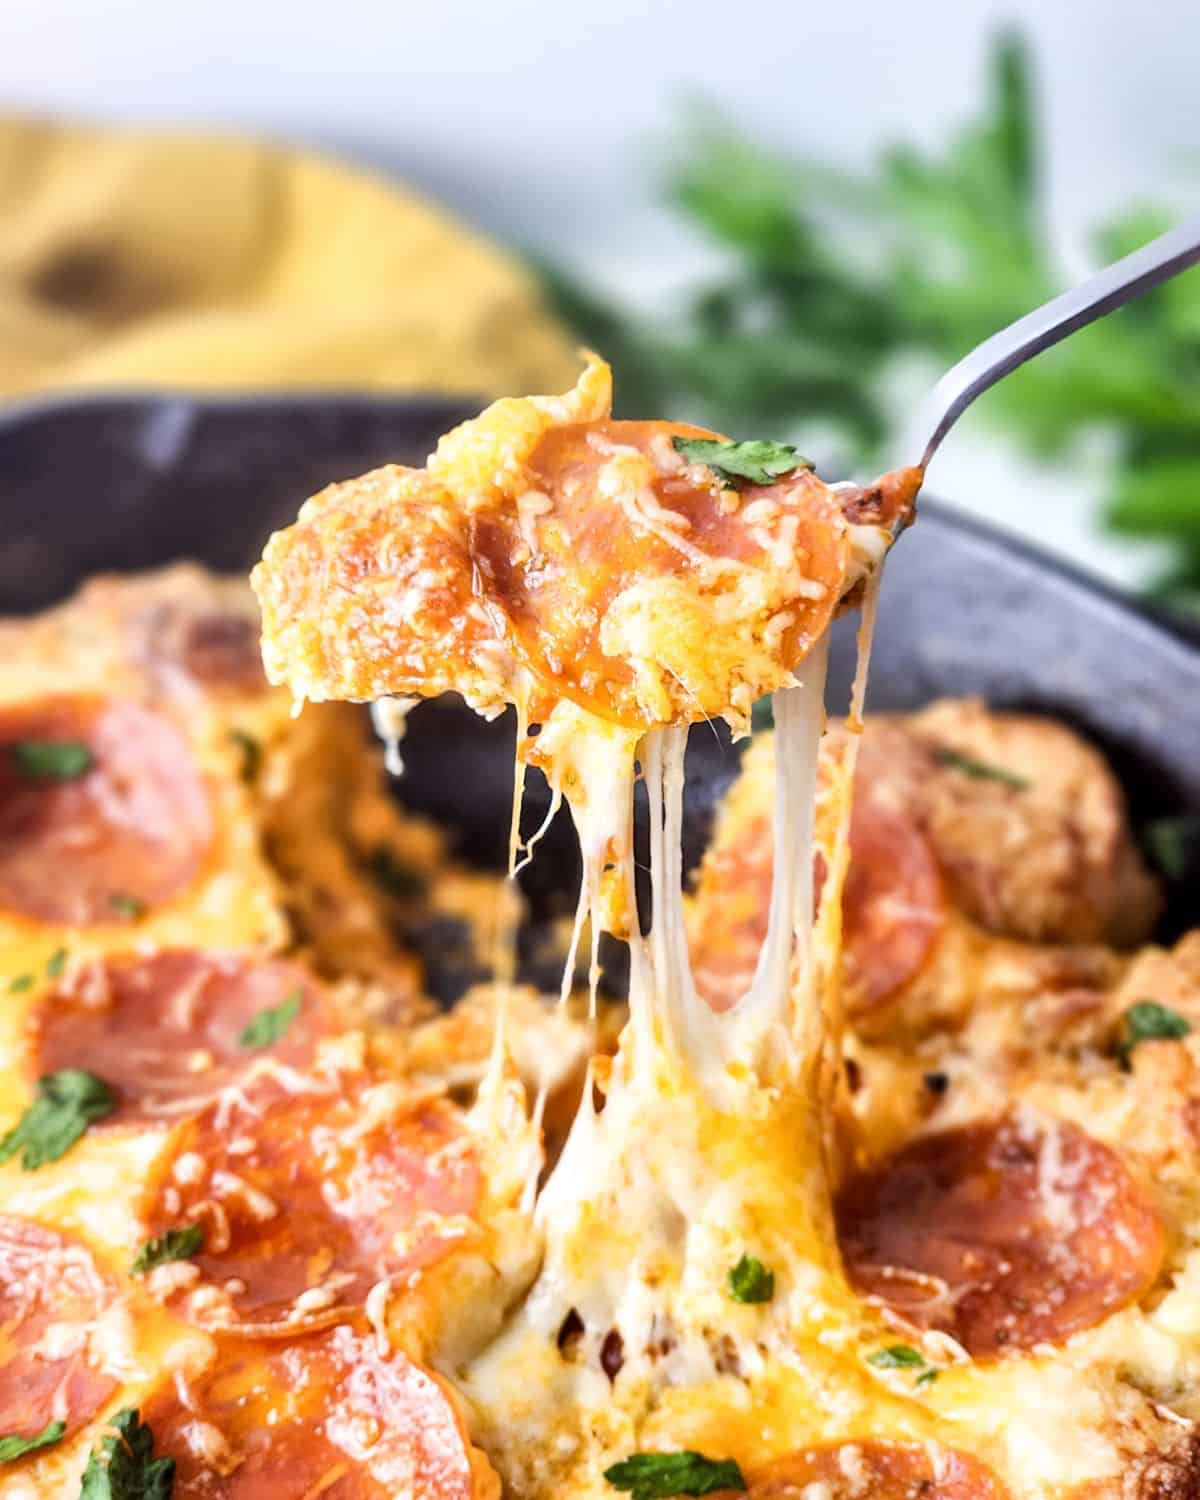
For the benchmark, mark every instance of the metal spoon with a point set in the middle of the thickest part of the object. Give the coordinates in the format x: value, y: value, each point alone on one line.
x: 1012, y: 346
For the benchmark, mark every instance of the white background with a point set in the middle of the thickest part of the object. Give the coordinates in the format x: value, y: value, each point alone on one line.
x: 545, y: 122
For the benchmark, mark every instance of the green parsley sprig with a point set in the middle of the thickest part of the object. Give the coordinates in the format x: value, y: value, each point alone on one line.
x: 750, y: 1281
x: 979, y: 770
x: 904, y: 1357
x: 173, y: 1244
x: 1149, y: 1021
x: 65, y: 1105
x: 52, y: 760
x: 123, y: 1467
x: 755, y: 462
x: 654, y: 1476
x: 56, y: 965
x: 12, y: 1448
x: 271, y: 1023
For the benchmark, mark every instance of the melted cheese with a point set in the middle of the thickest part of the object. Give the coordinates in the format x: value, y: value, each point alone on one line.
x: 711, y: 1140
x: 390, y: 718
x: 592, y: 1317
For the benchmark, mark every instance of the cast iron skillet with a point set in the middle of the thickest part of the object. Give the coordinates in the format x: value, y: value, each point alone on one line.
x: 120, y: 483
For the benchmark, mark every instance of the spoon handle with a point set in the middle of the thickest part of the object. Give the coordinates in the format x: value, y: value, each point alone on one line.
x: 1117, y: 284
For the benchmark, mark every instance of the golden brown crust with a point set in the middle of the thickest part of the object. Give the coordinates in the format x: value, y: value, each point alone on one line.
x: 1050, y: 860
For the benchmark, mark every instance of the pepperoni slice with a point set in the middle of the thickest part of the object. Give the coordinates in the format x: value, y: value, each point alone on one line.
x: 614, y: 516
x: 729, y: 920
x: 328, y: 1415
x: 165, y: 1031
x: 1005, y: 1234
x: 872, y: 1470
x: 893, y: 909
x: 308, y: 1199
x: 120, y: 829
x: 205, y: 641
x: 50, y: 1294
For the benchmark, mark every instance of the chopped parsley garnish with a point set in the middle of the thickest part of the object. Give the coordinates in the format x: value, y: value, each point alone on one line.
x: 56, y: 963
x: 394, y: 877
x: 270, y: 1024
x: 65, y: 1105
x: 52, y: 760
x: 897, y: 1357
x: 979, y: 770
x: 904, y: 1357
x: 172, y: 1244
x: 128, y: 906
x: 1173, y: 844
x: 251, y: 753
x: 124, y: 1466
x: 755, y: 462
x: 1148, y: 1021
x: 12, y: 1448
x: 650, y: 1476
x: 750, y: 1281
x: 20, y: 984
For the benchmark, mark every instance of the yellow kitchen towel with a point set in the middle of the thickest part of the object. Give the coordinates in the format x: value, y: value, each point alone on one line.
x: 136, y: 258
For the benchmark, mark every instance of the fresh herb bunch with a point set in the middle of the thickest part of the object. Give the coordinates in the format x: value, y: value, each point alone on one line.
x: 833, y: 277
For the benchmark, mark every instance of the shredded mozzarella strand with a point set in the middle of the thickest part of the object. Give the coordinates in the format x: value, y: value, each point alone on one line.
x: 389, y: 717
